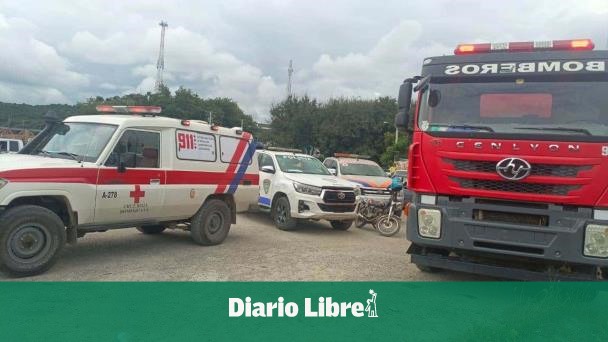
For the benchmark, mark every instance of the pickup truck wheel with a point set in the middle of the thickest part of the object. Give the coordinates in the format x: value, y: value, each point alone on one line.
x: 31, y: 238
x: 211, y: 224
x: 281, y: 214
x: 152, y: 229
x: 341, y: 225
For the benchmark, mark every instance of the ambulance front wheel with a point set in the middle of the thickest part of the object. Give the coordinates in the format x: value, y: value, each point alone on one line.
x: 211, y: 224
x: 31, y: 238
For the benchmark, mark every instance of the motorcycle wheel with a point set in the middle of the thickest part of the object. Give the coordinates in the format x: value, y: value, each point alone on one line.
x: 388, y: 226
x: 359, y: 222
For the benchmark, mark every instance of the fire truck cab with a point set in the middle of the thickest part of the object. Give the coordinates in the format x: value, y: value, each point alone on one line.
x: 99, y: 172
x: 509, y: 159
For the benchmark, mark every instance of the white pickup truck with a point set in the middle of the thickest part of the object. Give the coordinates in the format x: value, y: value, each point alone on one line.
x: 296, y: 186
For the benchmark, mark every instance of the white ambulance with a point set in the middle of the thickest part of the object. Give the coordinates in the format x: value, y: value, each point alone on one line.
x: 99, y: 172
x: 296, y: 186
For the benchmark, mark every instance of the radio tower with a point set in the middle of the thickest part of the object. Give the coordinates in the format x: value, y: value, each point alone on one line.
x: 289, y: 78
x: 160, y: 65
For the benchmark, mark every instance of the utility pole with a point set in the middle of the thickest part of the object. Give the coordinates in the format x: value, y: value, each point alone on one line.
x: 210, y: 117
x: 160, y: 64
x: 289, y: 78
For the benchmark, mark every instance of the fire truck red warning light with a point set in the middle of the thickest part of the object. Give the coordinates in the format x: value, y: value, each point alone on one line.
x: 571, y: 44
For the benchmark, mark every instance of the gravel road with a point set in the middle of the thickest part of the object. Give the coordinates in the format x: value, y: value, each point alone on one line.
x: 254, y: 250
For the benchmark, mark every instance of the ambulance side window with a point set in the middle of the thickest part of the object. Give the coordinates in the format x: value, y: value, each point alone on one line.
x: 3, y: 146
x: 136, y: 149
x: 14, y: 146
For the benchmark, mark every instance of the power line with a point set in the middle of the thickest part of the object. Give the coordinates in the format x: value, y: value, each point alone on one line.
x: 160, y: 64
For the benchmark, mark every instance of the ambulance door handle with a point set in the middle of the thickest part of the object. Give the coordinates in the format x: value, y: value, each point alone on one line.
x: 155, y: 181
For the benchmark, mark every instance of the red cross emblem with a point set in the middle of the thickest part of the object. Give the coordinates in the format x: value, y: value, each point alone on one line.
x: 137, y: 194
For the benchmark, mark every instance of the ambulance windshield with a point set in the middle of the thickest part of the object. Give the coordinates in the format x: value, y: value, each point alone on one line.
x: 78, y: 141
x: 517, y: 107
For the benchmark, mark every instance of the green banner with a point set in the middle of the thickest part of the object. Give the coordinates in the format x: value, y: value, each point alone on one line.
x: 481, y: 311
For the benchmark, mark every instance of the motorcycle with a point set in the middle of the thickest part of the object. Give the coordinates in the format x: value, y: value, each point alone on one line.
x: 381, y: 214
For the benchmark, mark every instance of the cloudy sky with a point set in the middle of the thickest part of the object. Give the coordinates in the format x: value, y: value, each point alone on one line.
x: 67, y: 51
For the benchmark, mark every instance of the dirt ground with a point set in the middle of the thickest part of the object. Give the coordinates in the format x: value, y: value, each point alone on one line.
x: 254, y: 250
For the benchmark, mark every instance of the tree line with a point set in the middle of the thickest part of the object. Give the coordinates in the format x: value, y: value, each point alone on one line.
x: 346, y: 125
x: 350, y: 125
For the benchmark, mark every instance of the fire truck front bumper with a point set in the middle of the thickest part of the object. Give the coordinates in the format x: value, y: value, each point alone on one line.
x: 507, y: 239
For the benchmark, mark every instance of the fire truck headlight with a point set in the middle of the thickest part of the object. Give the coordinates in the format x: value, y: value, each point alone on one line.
x: 3, y: 182
x: 596, y: 241
x: 307, y: 189
x: 429, y: 223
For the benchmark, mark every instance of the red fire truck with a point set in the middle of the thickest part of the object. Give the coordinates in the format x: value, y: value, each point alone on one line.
x: 509, y: 160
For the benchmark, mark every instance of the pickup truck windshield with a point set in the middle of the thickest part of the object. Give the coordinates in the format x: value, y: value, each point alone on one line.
x: 361, y: 169
x: 517, y: 107
x: 301, y: 164
x: 78, y: 141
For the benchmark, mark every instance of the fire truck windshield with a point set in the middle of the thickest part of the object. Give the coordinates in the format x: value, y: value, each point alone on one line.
x: 518, y: 107
x: 78, y: 141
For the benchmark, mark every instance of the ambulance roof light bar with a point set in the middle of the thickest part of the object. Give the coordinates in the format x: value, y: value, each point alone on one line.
x: 129, y: 109
x: 555, y: 45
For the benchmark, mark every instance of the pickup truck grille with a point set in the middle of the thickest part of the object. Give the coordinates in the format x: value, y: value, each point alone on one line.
x: 537, y: 169
x: 337, y: 208
x: 334, y: 196
x: 509, y: 186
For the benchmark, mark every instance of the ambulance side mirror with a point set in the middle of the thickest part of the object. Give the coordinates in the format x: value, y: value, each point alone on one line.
x: 332, y: 171
x: 122, y: 166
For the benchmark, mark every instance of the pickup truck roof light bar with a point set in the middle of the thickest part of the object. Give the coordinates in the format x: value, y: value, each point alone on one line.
x: 562, y: 45
x: 350, y: 155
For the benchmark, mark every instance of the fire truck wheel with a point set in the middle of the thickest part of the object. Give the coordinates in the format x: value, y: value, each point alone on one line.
x: 152, y: 229
x: 428, y: 269
x: 281, y: 214
x: 341, y: 225
x: 31, y: 238
x: 211, y: 224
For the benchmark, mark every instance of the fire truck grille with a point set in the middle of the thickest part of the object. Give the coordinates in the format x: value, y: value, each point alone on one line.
x: 508, y: 186
x: 340, y: 197
x: 537, y: 169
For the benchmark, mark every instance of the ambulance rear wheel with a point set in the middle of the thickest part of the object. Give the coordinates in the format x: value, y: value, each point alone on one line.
x: 211, y: 224
x: 281, y: 214
x: 152, y: 229
x: 31, y: 238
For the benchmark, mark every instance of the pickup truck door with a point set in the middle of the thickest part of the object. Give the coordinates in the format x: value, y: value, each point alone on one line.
x: 130, y: 183
x: 266, y: 180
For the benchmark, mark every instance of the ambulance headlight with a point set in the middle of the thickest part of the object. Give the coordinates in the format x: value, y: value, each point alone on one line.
x: 3, y: 182
x: 307, y: 189
x: 429, y: 223
x: 596, y: 241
